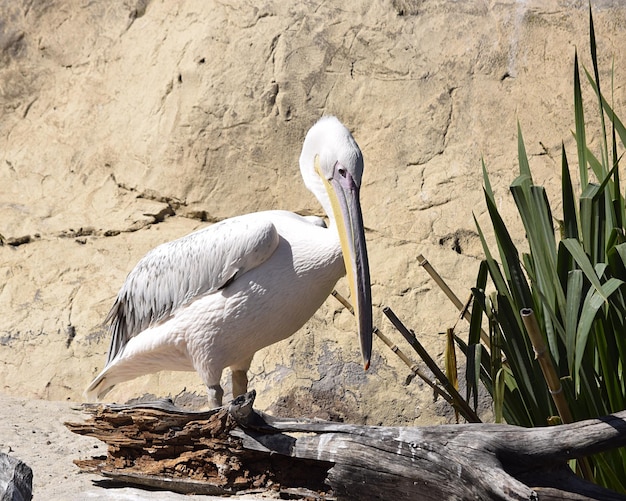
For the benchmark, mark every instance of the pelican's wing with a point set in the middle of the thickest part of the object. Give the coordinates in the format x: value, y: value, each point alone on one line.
x: 174, y: 273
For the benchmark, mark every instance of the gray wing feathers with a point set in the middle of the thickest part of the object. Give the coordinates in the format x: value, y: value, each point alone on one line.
x: 177, y: 272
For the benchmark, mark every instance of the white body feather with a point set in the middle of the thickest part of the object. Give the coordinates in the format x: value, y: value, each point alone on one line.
x: 285, y: 267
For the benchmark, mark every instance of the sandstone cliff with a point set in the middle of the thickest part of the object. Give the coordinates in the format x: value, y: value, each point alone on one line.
x: 129, y: 123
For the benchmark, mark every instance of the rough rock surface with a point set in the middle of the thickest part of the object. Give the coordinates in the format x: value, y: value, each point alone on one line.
x: 129, y: 123
x: 16, y: 479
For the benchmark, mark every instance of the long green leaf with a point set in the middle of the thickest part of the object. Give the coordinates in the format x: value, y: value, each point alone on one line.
x: 494, y: 270
x: 570, y: 219
x: 617, y: 123
x: 498, y: 396
x: 477, y: 306
x: 473, y: 373
x: 607, y: 353
x: 613, y: 476
x: 588, y: 219
x: 486, y: 182
x: 581, y: 141
x: 524, y: 167
x: 574, y: 296
x: 537, y: 219
x: 593, y: 302
x: 596, y: 73
x: 619, y: 251
x: 510, y: 258
x: 577, y: 252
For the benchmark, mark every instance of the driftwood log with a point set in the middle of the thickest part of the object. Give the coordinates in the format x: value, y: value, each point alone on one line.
x: 237, y: 449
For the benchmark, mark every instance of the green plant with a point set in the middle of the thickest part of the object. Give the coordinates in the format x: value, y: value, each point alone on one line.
x: 573, y: 281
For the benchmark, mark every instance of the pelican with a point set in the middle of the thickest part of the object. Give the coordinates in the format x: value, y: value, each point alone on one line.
x: 212, y: 299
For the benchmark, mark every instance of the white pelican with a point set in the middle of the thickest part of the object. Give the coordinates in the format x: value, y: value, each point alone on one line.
x: 213, y: 298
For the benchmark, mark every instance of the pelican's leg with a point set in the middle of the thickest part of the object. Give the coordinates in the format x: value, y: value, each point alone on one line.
x: 216, y: 393
x: 239, y: 377
x: 211, y: 378
x: 240, y: 382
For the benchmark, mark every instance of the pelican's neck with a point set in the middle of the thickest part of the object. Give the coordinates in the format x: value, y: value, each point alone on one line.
x: 316, y: 186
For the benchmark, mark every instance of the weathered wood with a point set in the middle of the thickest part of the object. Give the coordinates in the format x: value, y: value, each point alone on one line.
x: 16, y: 479
x: 238, y: 448
x: 159, y: 445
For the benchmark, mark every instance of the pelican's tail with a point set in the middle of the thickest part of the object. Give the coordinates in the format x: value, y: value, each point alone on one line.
x: 137, y: 359
x: 120, y: 369
x: 100, y: 386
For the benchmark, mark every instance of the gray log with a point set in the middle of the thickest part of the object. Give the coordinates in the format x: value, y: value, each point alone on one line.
x: 472, y: 461
x: 238, y: 448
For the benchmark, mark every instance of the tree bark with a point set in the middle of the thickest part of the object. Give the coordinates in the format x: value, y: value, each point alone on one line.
x: 235, y: 449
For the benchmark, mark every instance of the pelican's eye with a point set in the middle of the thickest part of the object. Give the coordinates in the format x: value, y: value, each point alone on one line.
x: 341, y: 169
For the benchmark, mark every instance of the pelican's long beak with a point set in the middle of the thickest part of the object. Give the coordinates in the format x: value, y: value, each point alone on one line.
x: 344, y: 197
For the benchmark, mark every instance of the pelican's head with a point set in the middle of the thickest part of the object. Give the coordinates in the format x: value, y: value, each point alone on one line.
x: 331, y: 164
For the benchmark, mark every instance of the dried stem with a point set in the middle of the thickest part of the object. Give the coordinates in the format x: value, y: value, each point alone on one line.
x: 409, y: 363
x: 459, y: 402
x: 423, y: 262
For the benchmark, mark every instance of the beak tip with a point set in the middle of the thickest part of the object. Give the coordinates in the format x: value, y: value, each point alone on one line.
x: 366, y: 364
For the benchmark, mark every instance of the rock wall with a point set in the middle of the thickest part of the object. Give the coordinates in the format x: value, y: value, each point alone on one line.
x: 129, y: 123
